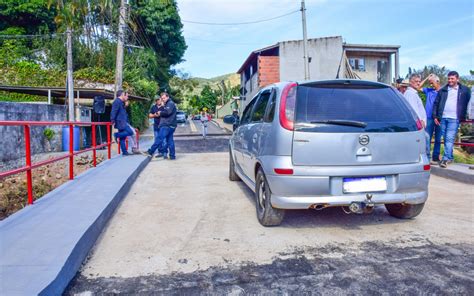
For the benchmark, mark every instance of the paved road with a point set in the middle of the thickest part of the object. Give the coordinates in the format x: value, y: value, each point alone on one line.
x: 185, y: 229
x: 194, y: 127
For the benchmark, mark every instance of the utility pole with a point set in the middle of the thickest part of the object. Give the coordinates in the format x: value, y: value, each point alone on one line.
x: 305, y: 41
x: 70, y: 82
x: 120, y: 43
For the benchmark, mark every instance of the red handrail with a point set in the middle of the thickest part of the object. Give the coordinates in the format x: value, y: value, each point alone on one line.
x: 29, y: 166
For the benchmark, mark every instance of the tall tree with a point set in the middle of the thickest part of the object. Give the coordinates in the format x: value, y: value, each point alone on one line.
x: 33, y: 16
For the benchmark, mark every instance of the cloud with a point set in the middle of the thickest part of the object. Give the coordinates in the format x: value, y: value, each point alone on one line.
x: 456, y: 57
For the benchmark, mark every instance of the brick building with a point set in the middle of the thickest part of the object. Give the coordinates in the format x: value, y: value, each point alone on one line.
x: 329, y: 57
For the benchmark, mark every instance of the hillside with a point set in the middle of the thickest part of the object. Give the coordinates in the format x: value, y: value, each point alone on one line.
x: 233, y: 78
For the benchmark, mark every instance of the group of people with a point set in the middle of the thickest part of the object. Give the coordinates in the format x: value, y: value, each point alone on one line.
x: 163, y: 113
x: 446, y: 106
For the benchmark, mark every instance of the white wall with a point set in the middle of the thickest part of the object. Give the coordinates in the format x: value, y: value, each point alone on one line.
x: 325, y: 54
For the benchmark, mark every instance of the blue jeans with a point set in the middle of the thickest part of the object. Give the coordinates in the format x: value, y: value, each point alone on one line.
x: 123, y: 134
x: 166, y: 137
x: 449, y: 129
x: 158, y: 143
x: 430, y: 128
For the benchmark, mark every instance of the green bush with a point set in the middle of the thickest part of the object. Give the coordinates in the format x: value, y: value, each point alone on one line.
x: 49, y: 133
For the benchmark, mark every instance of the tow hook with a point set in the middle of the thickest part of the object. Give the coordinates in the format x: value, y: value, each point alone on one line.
x: 365, y: 207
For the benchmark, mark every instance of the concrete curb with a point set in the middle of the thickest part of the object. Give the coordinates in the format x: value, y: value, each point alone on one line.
x: 457, y: 172
x: 43, y: 248
x: 226, y: 128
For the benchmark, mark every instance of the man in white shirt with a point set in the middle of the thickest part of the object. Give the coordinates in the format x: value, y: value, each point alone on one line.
x: 449, y: 109
x: 412, y: 97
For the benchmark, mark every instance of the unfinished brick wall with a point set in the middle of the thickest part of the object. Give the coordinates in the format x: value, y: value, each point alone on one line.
x: 268, y: 70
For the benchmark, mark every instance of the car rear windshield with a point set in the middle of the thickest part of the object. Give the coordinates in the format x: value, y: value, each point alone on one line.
x: 351, y: 108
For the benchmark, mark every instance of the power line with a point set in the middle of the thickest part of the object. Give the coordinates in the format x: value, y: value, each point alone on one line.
x: 222, y: 42
x: 32, y: 36
x: 241, y: 23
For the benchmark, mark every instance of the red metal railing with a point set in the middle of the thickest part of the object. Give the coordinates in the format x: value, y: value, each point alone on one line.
x: 29, y: 166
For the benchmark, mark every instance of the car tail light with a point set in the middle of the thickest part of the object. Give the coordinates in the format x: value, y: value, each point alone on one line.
x: 427, y: 167
x: 287, y: 106
x: 284, y: 171
x: 419, y: 124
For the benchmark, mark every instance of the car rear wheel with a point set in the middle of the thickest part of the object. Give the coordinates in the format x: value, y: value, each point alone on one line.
x: 232, y: 175
x: 404, y: 211
x: 266, y: 214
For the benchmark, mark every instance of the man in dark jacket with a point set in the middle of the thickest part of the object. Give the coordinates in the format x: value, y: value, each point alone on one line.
x: 119, y: 117
x: 166, y: 128
x: 449, y: 108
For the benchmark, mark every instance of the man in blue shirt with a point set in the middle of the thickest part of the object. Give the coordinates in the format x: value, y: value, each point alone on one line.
x: 119, y: 117
x: 431, y: 93
x: 154, y: 113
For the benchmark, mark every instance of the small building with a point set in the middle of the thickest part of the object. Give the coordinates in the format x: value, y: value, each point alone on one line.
x: 329, y: 58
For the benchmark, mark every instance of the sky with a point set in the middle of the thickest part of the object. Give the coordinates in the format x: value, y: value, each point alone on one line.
x: 429, y: 32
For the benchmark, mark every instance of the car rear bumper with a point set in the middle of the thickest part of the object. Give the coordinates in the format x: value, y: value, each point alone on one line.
x: 306, y: 202
x: 303, y: 192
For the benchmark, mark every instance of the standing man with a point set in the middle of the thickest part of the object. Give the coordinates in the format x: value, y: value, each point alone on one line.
x: 450, y: 107
x: 411, y: 95
x: 119, y: 117
x: 431, y: 93
x: 158, y: 106
x: 166, y: 128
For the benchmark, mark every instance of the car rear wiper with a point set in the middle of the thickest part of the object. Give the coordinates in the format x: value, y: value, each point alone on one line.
x: 342, y: 122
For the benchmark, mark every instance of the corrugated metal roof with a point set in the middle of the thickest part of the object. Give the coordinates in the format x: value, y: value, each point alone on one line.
x: 60, y: 92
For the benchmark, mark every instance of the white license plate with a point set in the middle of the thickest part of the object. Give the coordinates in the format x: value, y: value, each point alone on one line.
x: 366, y: 184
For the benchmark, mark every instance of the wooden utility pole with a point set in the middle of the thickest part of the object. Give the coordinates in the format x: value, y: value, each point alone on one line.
x: 305, y: 41
x: 70, y: 81
x: 120, y: 44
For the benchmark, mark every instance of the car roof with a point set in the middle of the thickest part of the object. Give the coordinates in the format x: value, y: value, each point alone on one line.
x: 356, y: 82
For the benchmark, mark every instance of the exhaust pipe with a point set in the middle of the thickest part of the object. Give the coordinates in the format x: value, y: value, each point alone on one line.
x: 318, y: 207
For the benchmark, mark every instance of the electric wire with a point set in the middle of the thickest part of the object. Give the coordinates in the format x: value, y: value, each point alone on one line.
x: 241, y: 23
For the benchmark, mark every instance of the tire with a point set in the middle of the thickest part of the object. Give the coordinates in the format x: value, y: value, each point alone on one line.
x: 266, y: 214
x: 404, y: 211
x: 232, y: 174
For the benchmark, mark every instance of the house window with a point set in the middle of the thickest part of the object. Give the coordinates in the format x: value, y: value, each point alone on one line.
x: 357, y: 64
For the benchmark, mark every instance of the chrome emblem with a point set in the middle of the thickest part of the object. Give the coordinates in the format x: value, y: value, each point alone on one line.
x: 364, y: 139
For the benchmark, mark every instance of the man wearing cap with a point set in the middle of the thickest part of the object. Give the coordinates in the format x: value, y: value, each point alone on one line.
x: 154, y: 113
x: 450, y: 107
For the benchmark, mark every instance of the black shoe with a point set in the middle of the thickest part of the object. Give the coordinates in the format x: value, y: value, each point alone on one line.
x: 173, y: 158
x: 159, y: 155
x: 126, y: 154
x: 147, y: 153
x: 443, y: 164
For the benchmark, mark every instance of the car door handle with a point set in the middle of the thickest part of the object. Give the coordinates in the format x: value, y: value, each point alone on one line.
x: 254, y: 138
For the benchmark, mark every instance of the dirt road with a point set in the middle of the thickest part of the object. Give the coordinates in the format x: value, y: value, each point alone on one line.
x: 184, y: 228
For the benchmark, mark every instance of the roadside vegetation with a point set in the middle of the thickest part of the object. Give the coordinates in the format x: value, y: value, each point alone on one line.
x: 33, y: 52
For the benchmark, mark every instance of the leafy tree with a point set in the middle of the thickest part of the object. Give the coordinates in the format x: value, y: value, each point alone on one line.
x: 159, y: 24
x: 33, y: 16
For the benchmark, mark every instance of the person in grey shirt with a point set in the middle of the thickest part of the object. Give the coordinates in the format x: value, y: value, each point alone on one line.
x: 412, y: 97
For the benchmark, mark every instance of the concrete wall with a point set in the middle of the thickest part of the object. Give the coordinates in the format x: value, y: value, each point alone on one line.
x: 325, y: 56
x: 370, y: 72
x: 12, y: 141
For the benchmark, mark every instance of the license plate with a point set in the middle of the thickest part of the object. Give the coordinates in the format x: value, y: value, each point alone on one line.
x: 365, y: 184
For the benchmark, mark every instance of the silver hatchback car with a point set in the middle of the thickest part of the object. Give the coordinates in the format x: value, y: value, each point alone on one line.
x: 313, y: 145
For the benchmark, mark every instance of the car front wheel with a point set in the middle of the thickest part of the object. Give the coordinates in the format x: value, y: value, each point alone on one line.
x: 404, y: 211
x: 266, y: 214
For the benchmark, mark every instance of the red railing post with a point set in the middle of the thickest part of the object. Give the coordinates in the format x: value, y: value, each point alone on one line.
x: 138, y: 139
x: 118, y: 145
x: 126, y: 143
x: 71, y: 152
x: 109, y: 127
x: 29, y: 180
x: 94, y: 144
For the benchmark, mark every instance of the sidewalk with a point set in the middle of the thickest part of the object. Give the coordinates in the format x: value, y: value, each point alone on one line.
x: 222, y: 124
x: 43, y: 245
x: 456, y: 171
